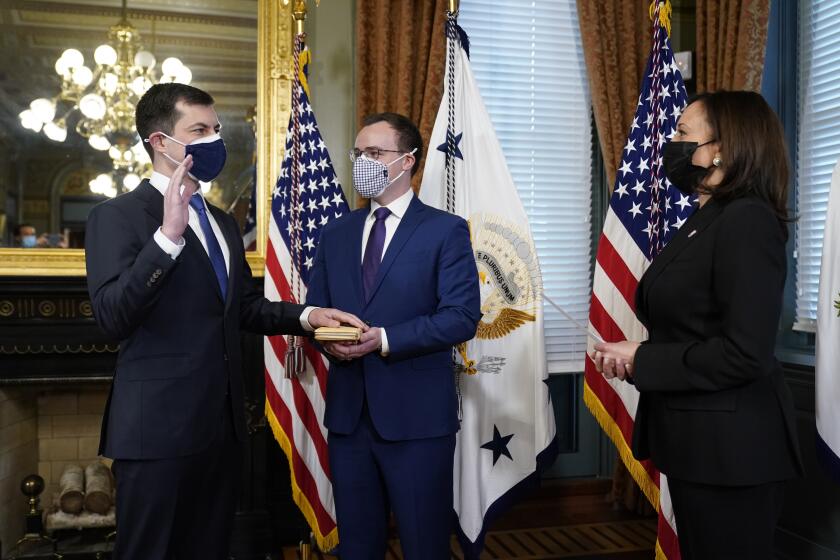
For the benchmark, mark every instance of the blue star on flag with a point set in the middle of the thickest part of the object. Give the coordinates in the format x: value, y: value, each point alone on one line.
x: 498, y: 445
x: 457, y: 154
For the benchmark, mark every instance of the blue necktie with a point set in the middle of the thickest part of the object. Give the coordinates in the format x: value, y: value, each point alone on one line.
x: 214, y: 250
x: 373, y: 250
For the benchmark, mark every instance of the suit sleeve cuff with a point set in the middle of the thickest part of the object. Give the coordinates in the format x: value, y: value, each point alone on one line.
x: 385, y: 350
x: 304, y: 318
x: 167, y: 246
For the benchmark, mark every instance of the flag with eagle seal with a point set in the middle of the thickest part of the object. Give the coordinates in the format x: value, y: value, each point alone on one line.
x: 507, y: 422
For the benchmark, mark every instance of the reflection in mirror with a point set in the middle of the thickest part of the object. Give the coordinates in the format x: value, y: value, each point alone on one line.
x: 70, y: 77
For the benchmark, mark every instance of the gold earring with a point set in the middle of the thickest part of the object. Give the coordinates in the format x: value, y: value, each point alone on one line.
x: 717, y: 161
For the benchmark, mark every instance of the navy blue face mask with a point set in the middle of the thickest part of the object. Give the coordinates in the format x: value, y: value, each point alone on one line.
x: 208, y: 153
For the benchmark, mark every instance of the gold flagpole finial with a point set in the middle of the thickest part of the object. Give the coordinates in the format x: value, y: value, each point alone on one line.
x: 299, y: 13
x: 453, y: 6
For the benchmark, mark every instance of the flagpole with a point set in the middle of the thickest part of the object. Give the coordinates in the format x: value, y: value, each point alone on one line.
x: 295, y: 352
x: 294, y: 355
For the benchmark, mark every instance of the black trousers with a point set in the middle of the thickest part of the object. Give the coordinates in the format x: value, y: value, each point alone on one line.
x: 180, y: 508
x: 726, y: 522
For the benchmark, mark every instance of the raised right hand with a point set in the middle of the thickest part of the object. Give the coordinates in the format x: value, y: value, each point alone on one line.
x: 176, y: 205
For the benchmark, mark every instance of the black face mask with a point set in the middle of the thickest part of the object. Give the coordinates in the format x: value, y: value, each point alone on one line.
x: 676, y: 157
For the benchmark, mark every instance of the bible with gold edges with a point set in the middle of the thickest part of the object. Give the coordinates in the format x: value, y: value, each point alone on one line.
x: 338, y: 334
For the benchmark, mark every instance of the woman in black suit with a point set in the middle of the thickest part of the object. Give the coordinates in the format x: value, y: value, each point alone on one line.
x: 714, y: 412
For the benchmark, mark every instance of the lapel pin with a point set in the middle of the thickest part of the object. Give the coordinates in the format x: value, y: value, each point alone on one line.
x: 692, y: 233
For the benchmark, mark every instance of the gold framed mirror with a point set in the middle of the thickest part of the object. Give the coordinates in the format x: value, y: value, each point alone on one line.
x: 238, y: 50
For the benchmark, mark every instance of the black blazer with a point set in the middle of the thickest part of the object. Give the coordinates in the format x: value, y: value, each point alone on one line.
x: 179, y: 363
x: 714, y: 406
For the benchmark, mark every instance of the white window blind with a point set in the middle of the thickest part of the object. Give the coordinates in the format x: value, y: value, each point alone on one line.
x: 528, y: 60
x: 818, y: 144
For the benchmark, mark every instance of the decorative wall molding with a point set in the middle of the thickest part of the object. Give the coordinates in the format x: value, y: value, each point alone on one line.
x: 29, y: 12
x: 30, y: 349
x: 56, y: 308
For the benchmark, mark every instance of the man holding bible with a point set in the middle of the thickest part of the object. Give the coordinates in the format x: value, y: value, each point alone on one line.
x: 408, y: 271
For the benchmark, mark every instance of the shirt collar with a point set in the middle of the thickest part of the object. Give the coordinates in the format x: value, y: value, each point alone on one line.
x: 161, y: 182
x: 397, y: 207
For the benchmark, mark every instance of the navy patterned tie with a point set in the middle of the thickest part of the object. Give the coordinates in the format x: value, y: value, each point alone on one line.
x: 373, y: 250
x: 214, y: 250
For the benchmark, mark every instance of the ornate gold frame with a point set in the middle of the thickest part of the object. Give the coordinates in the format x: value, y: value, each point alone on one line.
x: 274, y: 73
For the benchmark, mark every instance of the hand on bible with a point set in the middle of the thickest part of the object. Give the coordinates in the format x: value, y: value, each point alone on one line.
x: 328, y: 317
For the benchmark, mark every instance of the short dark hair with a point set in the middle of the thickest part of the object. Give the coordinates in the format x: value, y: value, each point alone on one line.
x: 156, y: 110
x: 19, y: 228
x: 408, y: 136
x: 752, y: 147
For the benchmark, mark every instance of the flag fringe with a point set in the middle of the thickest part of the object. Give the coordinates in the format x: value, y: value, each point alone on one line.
x: 305, y: 58
x: 638, y: 472
x: 660, y: 554
x: 325, y: 542
x: 612, y: 430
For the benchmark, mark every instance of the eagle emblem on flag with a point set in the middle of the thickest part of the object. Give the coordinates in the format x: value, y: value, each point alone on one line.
x: 509, y: 274
x: 509, y: 281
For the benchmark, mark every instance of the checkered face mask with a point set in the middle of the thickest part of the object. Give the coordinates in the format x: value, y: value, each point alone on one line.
x: 370, y: 177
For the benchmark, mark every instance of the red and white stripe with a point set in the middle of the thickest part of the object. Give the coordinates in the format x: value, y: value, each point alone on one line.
x: 298, y: 403
x: 619, y: 266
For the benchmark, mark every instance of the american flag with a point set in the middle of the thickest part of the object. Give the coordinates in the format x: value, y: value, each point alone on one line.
x: 306, y: 197
x: 645, y: 211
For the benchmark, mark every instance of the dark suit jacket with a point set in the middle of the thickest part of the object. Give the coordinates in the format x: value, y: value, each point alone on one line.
x: 425, y: 296
x: 179, y: 363
x: 714, y: 405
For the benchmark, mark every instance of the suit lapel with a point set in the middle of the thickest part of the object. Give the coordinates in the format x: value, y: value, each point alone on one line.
x: 234, y: 250
x: 194, y: 246
x: 357, y: 229
x: 152, y: 200
x: 690, y: 231
x: 409, y: 222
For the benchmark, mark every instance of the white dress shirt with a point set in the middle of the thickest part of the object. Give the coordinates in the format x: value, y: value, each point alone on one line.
x: 398, y: 209
x: 161, y: 183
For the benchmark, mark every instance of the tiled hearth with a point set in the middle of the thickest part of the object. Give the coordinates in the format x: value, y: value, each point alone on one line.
x: 18, y: 457
x: 42, y: 429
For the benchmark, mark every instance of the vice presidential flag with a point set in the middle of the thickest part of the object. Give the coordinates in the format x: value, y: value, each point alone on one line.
x: 507, y: 422
x: 645, y: 211
x: 306, y: 197
x: 828, y: 337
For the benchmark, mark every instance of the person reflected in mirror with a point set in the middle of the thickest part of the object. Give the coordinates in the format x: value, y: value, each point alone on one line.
x: 26, y: 237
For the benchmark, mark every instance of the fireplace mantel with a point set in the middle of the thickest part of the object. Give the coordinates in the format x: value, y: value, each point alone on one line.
x: 48, y: 334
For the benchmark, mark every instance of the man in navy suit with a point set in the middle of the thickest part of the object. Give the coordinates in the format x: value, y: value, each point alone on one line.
x: 168, y: 278
x: 407, y: 270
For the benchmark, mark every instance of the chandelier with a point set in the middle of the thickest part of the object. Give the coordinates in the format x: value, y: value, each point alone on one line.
x: 101, y: 101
